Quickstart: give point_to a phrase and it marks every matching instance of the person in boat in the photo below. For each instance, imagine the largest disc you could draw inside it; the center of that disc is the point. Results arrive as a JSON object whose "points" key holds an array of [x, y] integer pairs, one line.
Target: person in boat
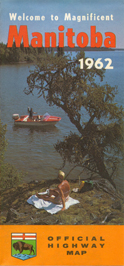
{"points": [[58, 195], [30, 111]]}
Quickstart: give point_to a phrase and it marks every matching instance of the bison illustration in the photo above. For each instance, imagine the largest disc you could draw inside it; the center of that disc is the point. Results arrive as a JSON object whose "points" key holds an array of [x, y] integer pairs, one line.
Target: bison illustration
{"points": [[23, 246]]}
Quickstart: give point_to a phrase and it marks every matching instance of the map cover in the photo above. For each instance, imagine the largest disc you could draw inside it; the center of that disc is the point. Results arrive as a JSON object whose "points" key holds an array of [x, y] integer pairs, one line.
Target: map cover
{"points": [[61, 132]]}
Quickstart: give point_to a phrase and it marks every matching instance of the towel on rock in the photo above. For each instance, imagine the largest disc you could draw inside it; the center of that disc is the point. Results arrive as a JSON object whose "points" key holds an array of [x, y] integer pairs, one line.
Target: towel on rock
{"points": [[49, 206]]}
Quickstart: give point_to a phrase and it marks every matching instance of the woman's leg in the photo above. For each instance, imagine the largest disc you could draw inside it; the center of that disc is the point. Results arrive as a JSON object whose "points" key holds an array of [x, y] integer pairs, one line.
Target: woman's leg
{"points": [[52, 197], [42, 196]]}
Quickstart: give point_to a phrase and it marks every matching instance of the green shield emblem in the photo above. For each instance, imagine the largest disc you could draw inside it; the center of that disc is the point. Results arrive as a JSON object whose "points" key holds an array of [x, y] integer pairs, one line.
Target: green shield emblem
{"points": [[23, 245]]}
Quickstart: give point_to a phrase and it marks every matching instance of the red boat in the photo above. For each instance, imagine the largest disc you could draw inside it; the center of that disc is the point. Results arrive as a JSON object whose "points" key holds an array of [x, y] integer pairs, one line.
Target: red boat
{"points": [[36, 120]]}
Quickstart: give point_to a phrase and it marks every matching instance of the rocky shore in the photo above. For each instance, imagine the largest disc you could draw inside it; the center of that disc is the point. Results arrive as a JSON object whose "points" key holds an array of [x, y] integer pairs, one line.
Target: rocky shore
{"points": [[99, 205]]}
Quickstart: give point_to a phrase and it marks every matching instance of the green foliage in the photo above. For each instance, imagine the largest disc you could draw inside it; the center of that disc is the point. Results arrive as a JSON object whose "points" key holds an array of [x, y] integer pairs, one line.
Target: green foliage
{"points": [[9, 176], [90, 107], [3, 142], [20, 54]]}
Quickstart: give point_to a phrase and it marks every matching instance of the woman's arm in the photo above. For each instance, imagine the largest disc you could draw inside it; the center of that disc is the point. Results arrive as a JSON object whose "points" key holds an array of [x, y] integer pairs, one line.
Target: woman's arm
{"points": [[62, 197]]}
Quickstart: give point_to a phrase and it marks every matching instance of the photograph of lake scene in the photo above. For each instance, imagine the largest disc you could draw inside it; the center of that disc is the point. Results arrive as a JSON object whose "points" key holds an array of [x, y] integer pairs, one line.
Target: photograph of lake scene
{"points": [[31, 150]]}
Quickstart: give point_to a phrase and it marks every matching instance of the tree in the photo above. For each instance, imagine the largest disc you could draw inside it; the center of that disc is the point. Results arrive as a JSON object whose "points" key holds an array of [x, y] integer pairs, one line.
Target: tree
{"points": [[3, 142], [60, 51], [90, 107], [9, 176], [2, 53]]}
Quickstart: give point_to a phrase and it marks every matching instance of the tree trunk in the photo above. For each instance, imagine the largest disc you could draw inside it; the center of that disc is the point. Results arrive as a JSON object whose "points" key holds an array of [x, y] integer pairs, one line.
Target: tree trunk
{"points": [[101, 167]]}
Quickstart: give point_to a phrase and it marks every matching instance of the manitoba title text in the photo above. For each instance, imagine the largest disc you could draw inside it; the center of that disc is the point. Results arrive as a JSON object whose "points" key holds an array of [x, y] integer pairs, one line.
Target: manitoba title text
{"points": [[64, 36]]}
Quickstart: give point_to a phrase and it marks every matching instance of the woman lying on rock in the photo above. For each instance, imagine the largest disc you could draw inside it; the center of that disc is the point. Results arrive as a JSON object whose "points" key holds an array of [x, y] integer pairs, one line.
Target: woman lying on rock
{"points": [[58, 195]]}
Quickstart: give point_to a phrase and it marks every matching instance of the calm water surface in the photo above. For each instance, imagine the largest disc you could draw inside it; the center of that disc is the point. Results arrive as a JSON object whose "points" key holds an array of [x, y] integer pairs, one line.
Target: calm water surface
{"points": [[32, 150]]}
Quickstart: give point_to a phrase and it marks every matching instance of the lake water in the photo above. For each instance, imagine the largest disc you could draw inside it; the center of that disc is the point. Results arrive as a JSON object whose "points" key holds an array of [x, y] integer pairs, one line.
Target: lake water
{"points": [[32, 150]]}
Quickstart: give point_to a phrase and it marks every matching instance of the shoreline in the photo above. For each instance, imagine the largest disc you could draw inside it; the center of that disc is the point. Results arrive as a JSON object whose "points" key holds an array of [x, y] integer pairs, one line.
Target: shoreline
{"points": [[99, 205]]}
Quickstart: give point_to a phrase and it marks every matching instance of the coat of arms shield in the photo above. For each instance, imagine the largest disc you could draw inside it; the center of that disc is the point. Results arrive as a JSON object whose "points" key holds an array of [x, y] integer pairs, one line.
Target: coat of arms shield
{"points": [[23, 245]]}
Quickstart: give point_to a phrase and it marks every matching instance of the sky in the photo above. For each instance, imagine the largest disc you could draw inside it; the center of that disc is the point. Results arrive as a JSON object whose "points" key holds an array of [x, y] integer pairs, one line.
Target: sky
{"points": [[54, 13]]}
